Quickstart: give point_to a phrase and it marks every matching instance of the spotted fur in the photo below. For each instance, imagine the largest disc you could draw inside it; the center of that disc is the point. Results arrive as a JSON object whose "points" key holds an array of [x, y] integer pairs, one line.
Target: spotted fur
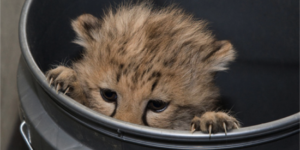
{"points": [[146, 54]]}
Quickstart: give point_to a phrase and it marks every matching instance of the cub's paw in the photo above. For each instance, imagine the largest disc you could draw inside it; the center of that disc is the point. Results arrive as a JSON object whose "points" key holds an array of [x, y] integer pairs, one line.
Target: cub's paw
{"points": [[62, 78], [213, 122]]}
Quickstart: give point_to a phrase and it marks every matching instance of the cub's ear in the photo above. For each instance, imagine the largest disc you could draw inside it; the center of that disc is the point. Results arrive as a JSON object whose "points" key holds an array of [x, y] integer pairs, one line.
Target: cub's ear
{"points": [[87, 29], [219, 57]]}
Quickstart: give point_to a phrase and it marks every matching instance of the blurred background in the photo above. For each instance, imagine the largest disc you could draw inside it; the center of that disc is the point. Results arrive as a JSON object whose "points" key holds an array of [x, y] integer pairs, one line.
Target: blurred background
{"points": [[10, 54]]}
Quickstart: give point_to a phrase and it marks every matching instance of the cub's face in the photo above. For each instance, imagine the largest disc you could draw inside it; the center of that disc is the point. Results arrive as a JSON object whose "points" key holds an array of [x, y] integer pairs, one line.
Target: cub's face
{"points": [[148, 67], [149, 95]]}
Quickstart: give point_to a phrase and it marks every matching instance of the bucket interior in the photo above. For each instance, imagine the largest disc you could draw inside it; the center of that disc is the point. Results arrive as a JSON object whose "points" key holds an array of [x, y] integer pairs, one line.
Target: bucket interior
{"points": [[262, 85]]}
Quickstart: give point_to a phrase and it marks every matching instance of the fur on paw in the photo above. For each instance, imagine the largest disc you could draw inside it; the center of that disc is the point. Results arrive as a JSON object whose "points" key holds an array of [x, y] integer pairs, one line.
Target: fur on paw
{"points": [[62, 78], [213, 122]]}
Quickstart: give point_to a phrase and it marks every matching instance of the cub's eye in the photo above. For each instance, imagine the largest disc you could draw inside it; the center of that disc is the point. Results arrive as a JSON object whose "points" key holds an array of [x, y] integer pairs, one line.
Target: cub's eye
{"points": [[157, 105], [108, 95]]}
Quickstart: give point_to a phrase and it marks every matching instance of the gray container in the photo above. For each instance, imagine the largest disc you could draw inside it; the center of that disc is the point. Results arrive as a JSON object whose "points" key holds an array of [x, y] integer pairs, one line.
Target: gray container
{"points": [[55, 121]]}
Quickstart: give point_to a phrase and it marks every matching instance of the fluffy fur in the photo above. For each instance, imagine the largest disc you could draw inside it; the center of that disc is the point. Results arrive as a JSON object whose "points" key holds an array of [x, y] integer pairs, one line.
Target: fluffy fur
{"points": [[146, 54]]}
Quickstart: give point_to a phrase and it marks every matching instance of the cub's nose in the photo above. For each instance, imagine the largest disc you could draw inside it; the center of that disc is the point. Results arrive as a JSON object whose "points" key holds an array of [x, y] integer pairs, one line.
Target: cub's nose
{"points": [[131, 117]]}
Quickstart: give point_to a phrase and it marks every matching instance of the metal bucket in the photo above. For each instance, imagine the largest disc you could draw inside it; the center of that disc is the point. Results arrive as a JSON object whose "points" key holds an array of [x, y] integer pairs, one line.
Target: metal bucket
{"points": [[261, 84]]}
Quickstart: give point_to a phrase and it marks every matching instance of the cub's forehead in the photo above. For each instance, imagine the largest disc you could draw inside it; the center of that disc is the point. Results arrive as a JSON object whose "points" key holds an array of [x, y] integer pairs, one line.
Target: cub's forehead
{"points": [[144, 72]]}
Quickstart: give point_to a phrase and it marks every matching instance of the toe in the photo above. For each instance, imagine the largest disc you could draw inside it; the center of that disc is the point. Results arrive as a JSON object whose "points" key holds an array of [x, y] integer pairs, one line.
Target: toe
{"points": [[193, 129]]}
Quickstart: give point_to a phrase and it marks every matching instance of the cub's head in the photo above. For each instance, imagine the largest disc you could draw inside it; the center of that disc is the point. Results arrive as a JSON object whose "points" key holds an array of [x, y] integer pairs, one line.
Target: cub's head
{"points": [[149, 67]]}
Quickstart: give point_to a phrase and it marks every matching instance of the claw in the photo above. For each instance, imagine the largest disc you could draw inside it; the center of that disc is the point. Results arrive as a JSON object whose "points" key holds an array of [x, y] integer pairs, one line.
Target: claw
{"points": [[236, 126], [50, 82], [209, 130], [57, 88], [224, 126], [193, 129], [67, 90]]}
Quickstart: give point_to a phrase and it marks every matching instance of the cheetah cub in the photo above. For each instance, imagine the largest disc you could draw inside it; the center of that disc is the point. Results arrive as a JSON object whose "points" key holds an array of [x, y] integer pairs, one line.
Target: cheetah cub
{"points": [[147, 66]]}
